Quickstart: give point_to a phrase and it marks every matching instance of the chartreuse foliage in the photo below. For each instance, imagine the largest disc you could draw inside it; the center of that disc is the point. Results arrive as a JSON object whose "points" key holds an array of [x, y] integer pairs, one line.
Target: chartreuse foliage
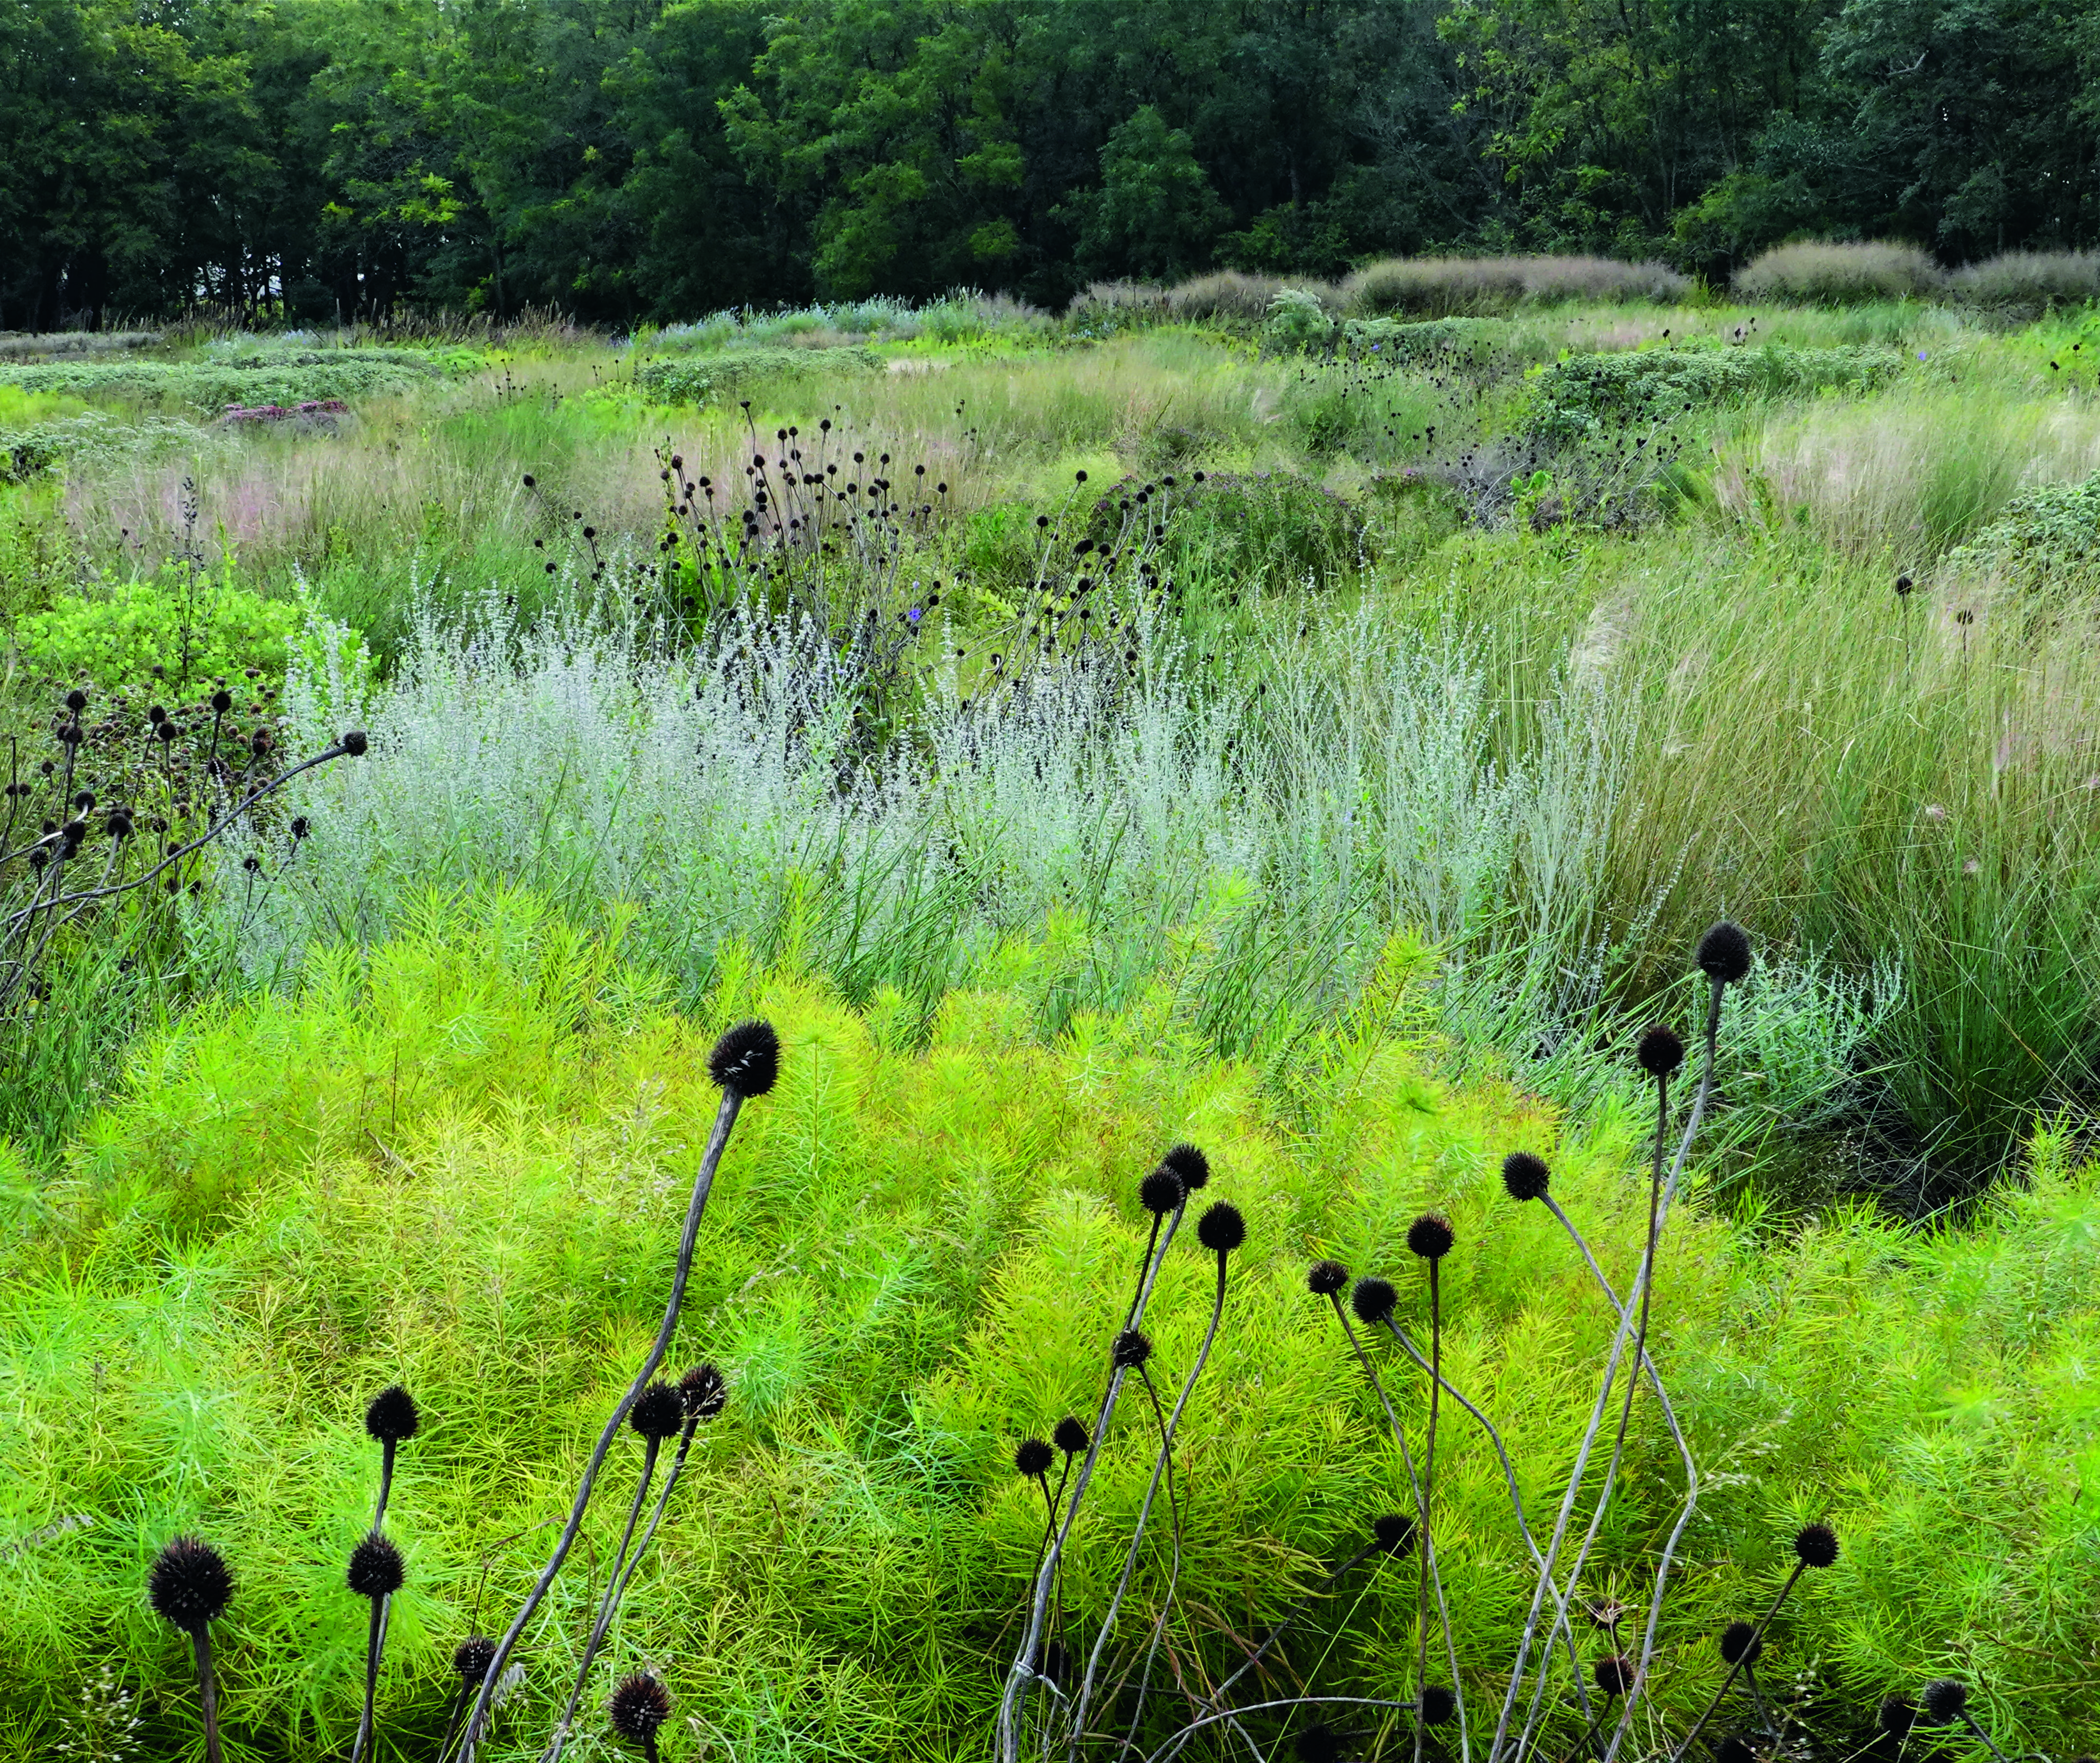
{"points": [[460, 1160]]}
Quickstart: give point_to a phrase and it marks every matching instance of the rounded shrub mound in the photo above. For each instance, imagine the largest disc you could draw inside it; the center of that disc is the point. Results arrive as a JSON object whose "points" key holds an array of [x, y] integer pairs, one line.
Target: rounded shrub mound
{"points": [[1813, 273], [2024, 284], [1449, 287], [1231, 296]]}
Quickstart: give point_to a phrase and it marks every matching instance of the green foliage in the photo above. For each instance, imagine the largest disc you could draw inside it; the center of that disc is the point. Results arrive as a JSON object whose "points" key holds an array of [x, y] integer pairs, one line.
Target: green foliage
{"points": [[723, 378], [1155, 214], [1296, 320], [1573, 397], [116, 638], [2048, 538], [285, 377]]}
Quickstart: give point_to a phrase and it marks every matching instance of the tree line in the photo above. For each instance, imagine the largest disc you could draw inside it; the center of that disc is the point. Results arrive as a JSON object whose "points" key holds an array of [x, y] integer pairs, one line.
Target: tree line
{"points": [[632, 159]]}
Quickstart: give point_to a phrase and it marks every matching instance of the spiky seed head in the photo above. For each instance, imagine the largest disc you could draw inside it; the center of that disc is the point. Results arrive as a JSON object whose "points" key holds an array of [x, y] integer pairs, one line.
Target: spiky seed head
{"points": [[189, 1584], [1222, 1228], [704, 1389], [1724, 952], [1660, 1051], [1162, 1191], [1525, 1176], [1070, 1435], [390, 1416], [1395, 1533], [659, 1412], [747, 1059], [376, 1568], [1188, 1163], [1897, 1716], [76, 700], [1943, 1701], [1430, 1236], [1319, 1743], [1323, 1279], [639, 1706], [472, 1656], [1436, 1705], [1815, 1544], [1373, 1300], [1132, 1347], [1741, 1644], [1735, 1748], [1032, 1456], [1614, 1674], [355, 743]]}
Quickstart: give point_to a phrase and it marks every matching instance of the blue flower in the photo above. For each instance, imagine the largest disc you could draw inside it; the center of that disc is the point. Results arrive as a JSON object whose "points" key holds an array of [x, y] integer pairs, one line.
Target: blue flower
{"points": [[913, 614]]}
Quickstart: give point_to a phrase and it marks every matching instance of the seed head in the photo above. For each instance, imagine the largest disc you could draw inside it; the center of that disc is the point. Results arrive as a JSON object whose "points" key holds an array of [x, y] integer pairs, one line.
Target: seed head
{"points": [[1430, 1236], [659, 1412], [76, 700], [1724, 952], [1898, 1715], [1323, 1279], [1942, 1701], [1132, 1347], [1033, 1457], [376, 1568], [1162, 1191], [391, 1415], [472, 1656], [222, 701], [1741, 1644], [1188, 1163], [704, 1389], [1436, 1705], [1816, 1544], [355, 742], [1221, 1228], [1319, 1743], [747, 1060], [1660, 1051], [1614, 1674], [1734, 1749], [1070, 1435], [1525, 1176], [1373, 1300], [1395, 1533], [639, 1706], [189, 1583]]}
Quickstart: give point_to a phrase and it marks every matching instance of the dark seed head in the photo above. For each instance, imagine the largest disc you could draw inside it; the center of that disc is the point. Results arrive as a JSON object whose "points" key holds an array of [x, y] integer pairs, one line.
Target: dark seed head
{"points": [[1319, 1743], [1394, 1531], [355, 742], [1525, 1176], [1614, 1674], [1323, 1279], [1162, 1191], [659, 1412], [1070, 1435], [1430, 1236], [1816, 1544], [1734, 1749], [1943, 1701], [1188, 1163], [1898, 1715], [222, 701], [1724, 952], [1032, 1456], [1221, 1228], [472, 1656], [1132, 1347], [1437, 1706], [189, 1583], [1740, 1643], [704, 1389], [1373, 1300], [1660, 1051], [391, 1416], [747, 1059], [376, 1568], [639, 1706]]}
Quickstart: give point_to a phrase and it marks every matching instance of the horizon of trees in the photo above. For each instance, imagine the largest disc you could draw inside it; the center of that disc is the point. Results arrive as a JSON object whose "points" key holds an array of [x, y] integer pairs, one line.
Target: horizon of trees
{"points": [[630, 160]]}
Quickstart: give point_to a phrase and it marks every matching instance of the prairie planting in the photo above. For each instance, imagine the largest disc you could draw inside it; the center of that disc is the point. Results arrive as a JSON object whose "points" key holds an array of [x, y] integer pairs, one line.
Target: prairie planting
{"points": [[1293, 737]]}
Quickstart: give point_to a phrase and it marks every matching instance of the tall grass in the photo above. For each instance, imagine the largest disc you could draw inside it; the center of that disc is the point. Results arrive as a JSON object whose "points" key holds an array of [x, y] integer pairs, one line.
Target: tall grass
{"points": [[1441, 287], [1813, 274]]}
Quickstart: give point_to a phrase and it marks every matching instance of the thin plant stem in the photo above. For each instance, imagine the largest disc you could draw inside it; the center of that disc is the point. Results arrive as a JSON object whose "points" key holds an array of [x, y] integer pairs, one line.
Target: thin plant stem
{"points": [[702, 1184], [1729, 1682], [614, 1582], [1278, 1631], [375, 1639], [1969, 1721], [1174, 1745], [386, 1483], [1429, 1489], [207, 1691]]}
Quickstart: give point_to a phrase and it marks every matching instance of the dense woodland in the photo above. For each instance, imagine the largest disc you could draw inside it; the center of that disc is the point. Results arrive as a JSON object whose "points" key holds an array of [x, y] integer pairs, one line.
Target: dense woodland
{"points": [[626, 160]]}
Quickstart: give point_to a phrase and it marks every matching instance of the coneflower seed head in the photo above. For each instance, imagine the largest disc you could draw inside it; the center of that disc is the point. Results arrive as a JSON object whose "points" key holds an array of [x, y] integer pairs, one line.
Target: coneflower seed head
{"points": [[747, 1060], [1162, 1191], [1188, 1163], [1740, 1642], [1070, 1435], [1323, 1279], [1394, 1531], [1660, 1051], [1430, 1236], [1032, 1457], [1724, 952], [1815, 1544], [1319, 1743], [376, 1568], [189, 1583], [1132, 1347], [639, 1706], [659, 1412], [1614, 1674], [1436, 1705], [704, 1389], [1898, 1715], [1525, 1176], [1944, 1700], [1373, 1300], [390, 1417], [472, 1656], [1221, 1228]]}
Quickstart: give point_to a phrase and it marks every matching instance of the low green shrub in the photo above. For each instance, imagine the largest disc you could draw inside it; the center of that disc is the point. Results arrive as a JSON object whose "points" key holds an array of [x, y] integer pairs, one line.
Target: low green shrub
{"points": [[2047, 539], [1294, 319], [720, 378], [246, 376], [116, 639], [1812, 273], [1573, 397], [1446, 287]]}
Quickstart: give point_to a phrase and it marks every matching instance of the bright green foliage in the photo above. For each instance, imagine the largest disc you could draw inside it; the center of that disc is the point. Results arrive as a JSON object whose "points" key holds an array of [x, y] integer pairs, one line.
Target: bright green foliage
{"points": [[722, 378], [117, 639], [2048, 538], [277, 377], [460, 1160], [1572, 397]]}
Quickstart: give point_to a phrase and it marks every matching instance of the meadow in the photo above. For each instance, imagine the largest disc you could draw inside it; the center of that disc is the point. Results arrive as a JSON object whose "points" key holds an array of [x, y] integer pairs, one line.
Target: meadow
{"points": [[1314, 722]]}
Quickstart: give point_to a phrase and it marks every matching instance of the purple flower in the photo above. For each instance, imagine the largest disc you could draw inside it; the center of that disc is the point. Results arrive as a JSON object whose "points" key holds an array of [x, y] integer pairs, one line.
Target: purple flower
{"points": [[1920, 354], [913, 614]]}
